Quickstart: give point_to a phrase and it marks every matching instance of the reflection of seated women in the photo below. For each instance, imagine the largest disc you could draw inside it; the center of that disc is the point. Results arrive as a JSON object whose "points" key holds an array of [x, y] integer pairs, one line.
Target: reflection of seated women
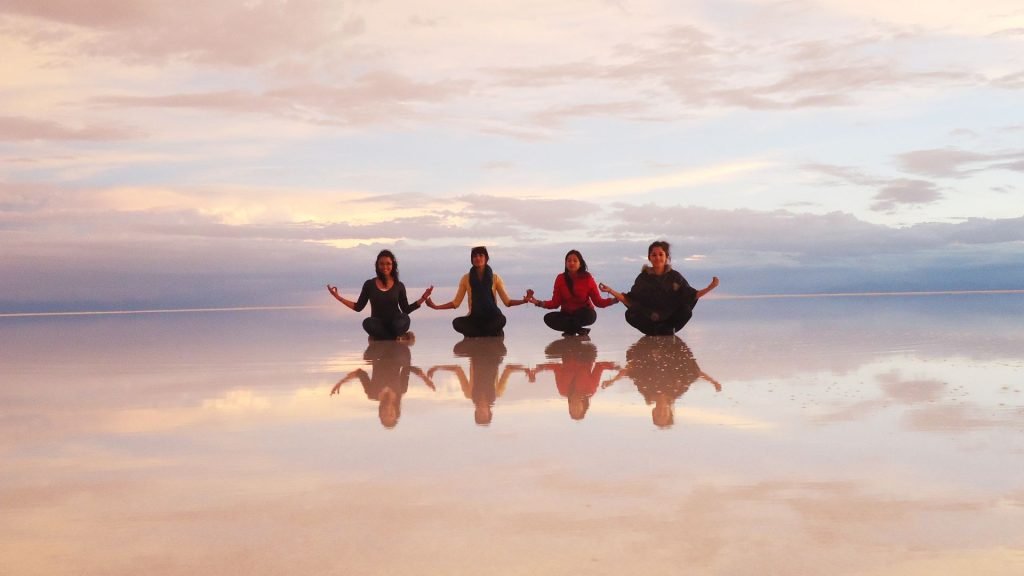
{"points": [[391, 363], [577, 375], [662, 369], [483, 287], [661, 301], [483, 386], [389, 305]]}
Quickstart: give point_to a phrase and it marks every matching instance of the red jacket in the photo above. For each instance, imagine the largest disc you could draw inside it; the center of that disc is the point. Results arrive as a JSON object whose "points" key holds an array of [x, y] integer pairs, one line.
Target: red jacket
{"points": [[584, 294]]}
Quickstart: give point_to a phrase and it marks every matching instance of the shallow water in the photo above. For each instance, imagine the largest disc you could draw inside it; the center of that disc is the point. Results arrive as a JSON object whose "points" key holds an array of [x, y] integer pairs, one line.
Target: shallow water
{"points": [[839, 436]]}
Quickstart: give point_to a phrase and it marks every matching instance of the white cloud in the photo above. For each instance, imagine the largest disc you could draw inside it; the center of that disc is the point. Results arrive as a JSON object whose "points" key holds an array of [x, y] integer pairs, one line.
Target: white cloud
{"points": [[18, 128], [296, 126], [956, 163], [905, 192], [218, 33]]}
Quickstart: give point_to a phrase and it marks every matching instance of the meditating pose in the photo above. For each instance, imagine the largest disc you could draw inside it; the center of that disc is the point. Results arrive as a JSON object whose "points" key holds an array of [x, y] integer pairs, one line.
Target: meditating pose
{"points": [[577, 373], [663, 370], [661, 301], [576, 293], [388, 380], [389, 305], [484, 288], [485, 383]]}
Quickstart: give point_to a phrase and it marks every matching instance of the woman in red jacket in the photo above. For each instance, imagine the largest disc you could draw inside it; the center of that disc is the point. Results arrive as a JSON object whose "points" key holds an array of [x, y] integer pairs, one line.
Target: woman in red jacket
{"points": [[576, 294]]}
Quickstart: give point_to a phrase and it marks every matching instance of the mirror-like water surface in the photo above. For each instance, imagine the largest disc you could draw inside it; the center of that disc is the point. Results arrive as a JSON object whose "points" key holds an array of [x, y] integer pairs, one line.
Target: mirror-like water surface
{"points": [[844, 436]]}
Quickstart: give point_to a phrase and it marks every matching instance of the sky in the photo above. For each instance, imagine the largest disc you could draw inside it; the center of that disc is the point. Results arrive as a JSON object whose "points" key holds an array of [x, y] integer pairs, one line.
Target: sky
{"points": [[230, 153]]}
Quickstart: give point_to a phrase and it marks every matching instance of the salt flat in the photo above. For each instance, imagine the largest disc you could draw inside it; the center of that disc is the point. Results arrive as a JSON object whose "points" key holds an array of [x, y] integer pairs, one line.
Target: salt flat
{"points": [[877, 435]]}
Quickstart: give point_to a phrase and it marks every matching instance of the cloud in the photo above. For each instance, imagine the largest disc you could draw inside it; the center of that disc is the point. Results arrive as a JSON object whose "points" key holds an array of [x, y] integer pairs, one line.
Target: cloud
{"points": [[539, 214], [826, 79], [17, 128], [1009, 33], [108, 14], [947, 417], [905, 192], [911, 391], [333, 217], [548, 74], [1013, 81], [70, 256], [223, 100], [925, 404], [350, 217], [939, 163], [699, 69], [377, 97], [330, 63], [892, 192], [634, 187], [247, 109], [809, 237], [845, 173], [956, 163], [556, 116], [973, 231], [218, 33], [960, 17]]}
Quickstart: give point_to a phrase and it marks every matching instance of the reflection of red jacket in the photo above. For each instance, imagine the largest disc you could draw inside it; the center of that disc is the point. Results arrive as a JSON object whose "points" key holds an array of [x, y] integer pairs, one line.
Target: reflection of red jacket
{"points": [[584, 291], [580, 377]]}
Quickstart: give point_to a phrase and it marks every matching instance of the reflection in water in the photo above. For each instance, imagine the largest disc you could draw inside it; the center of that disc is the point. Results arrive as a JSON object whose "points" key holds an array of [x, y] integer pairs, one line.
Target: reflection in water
{"points": [[662, 367], [483, 386], [577, 375], [391, 364], [122, 455]]}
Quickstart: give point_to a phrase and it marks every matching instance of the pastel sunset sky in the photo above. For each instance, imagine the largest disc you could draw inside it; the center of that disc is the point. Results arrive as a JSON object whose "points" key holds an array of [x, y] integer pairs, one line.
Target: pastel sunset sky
{"points": [[158, 153]]}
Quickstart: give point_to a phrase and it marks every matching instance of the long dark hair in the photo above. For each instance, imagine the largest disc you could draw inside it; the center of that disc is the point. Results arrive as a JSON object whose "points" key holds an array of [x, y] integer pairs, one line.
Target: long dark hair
{"points": [[394, 266], [583, 268]]}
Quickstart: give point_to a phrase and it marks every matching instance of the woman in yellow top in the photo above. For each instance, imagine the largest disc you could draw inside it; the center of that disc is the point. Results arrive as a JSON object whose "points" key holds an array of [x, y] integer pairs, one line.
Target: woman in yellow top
{"points": [[483, 287]]}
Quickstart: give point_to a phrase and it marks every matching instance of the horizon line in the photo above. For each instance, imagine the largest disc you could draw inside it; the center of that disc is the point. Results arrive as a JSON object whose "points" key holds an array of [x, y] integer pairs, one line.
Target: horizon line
{"points": [[315, 307], [863, 294], [158, 311]]}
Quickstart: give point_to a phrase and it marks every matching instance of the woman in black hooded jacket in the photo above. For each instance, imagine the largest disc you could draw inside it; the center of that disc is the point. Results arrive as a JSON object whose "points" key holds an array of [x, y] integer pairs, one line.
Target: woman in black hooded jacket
{"points": [[661, 301]]}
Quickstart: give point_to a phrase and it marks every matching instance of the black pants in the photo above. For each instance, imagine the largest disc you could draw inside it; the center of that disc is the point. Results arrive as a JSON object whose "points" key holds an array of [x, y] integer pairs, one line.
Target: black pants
{"points": [[471, 326], [642, 321], [380, 329], [570, 322]]}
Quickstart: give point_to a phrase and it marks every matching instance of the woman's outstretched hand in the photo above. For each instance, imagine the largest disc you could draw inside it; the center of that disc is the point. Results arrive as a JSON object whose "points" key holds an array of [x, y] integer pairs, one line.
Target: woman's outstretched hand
{"points": [[426, 295], [714, 284], [334, 292]]}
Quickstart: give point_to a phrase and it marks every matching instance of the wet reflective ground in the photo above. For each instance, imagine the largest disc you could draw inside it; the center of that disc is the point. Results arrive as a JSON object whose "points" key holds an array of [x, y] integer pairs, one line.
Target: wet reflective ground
{"points": [[816, 436]]}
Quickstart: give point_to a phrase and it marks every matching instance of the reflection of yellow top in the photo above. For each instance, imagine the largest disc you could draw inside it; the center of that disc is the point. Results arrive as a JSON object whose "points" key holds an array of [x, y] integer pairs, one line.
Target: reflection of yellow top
{"points": [[498, 288], [468, 383]]}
